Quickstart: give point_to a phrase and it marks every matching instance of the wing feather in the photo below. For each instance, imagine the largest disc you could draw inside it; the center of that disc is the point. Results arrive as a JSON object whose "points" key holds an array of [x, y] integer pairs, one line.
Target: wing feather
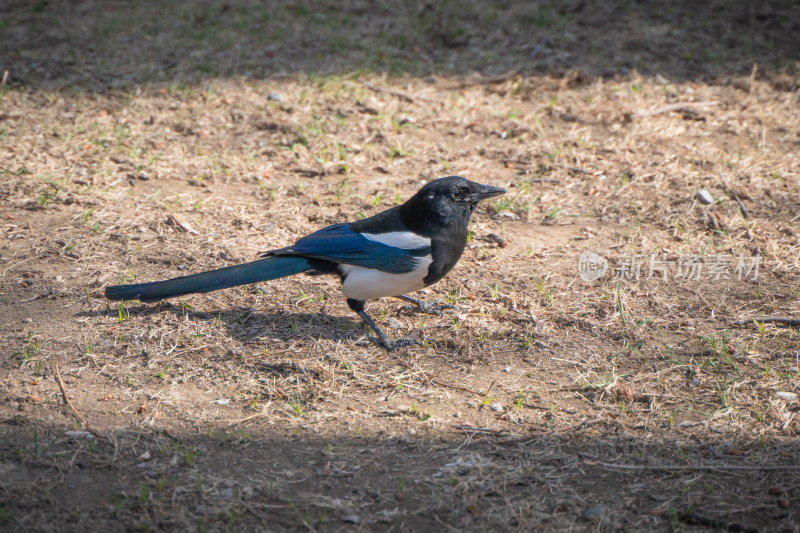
{"points": [[339, 244]]}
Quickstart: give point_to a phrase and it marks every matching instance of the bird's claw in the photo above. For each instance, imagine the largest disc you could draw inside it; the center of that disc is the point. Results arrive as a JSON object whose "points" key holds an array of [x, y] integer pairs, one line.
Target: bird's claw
{"points": [[434, 307], [391, 345], [429, 308], [399, 343]]}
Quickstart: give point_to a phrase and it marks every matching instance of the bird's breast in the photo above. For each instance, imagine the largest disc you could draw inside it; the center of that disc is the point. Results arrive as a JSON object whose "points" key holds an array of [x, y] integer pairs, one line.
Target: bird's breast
{"points": [[368, 284]]}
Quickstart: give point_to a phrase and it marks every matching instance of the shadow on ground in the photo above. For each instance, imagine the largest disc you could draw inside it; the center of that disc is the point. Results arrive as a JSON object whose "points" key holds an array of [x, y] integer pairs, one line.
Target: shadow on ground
{"points": [[99, 45], [233, 479]]}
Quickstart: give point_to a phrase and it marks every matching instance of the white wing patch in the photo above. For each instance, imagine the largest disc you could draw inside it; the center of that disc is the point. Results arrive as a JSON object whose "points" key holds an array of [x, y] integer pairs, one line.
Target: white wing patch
{"points": [[368, 284], [407, 240]]}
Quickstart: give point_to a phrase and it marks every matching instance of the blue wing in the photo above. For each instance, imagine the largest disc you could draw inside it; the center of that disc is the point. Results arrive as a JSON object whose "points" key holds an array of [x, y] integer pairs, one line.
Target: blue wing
{"points": [[339, 244]]}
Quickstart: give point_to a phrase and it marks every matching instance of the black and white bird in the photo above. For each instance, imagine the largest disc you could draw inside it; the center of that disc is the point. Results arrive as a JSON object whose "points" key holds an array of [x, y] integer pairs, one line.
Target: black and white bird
{"points": [[398, 251]]}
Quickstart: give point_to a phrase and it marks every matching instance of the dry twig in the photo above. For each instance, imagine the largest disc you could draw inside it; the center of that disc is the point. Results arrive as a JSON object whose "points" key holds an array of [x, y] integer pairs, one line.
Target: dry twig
{"points": [[472, 429], [672, 107], [735, 196], [403, 96], [75, 412]]}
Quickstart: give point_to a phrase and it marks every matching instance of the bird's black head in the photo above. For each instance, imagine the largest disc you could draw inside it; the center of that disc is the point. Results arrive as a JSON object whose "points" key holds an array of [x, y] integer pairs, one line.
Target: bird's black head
{"points": [[448, 200]]}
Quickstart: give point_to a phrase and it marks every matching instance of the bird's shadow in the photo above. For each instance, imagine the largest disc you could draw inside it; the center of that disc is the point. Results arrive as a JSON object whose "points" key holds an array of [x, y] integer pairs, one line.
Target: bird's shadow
{"points": [[246, 324]]}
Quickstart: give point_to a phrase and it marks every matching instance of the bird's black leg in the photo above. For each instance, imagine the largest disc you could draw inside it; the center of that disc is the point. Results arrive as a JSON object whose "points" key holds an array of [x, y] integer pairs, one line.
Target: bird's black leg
{"points": [[431, 308], [386, 342]]}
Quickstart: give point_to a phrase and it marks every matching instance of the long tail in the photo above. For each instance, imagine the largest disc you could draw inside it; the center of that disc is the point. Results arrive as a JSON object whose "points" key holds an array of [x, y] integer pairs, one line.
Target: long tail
{"points": [[261, 270]]}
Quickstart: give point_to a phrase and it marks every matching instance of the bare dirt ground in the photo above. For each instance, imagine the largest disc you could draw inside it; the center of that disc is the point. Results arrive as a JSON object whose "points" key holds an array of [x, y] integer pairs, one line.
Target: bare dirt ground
{"points": [[145, 140]]}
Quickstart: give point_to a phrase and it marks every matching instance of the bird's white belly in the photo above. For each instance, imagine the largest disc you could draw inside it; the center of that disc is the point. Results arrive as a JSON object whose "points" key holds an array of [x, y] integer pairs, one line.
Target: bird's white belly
{"points": [[367, 284]]}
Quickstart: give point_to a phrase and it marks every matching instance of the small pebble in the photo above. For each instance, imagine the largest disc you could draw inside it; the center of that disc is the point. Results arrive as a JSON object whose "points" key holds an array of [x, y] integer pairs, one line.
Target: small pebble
{"points": [[704, 197], [352, 518], [502, 242], [788, 396], [275, 96], [497, 407], [27, 320], [145, 456], [507, 369], [226, 494], [394, 323], [78, 434], [593, 514]]}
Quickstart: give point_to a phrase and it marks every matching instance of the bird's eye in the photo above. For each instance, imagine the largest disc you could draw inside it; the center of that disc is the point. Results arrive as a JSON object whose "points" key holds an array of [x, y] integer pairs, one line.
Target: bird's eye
{"points": [[461, 194]]}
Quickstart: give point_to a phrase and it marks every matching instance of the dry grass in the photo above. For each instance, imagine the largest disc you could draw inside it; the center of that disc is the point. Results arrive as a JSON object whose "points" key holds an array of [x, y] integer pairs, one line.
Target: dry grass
{"points": [[198, 138]]}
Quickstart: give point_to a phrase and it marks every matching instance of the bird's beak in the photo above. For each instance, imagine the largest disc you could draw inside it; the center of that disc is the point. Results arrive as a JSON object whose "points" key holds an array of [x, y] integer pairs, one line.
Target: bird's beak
{"points": [[482, 192]]}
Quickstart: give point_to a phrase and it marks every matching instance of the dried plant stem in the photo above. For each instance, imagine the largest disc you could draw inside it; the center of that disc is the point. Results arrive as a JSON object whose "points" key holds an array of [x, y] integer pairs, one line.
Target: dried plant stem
{"points": [[735, 196], [672, 107], [75, 412]]}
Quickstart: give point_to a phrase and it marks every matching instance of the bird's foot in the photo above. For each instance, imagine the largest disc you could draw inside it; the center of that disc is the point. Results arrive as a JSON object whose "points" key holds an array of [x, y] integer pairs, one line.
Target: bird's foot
{"points": [[429, 308], [391, 345]]}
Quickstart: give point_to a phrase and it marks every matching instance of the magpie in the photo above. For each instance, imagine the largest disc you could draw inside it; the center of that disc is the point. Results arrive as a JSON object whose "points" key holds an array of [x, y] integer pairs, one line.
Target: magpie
{"points": [[397, 251]]}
